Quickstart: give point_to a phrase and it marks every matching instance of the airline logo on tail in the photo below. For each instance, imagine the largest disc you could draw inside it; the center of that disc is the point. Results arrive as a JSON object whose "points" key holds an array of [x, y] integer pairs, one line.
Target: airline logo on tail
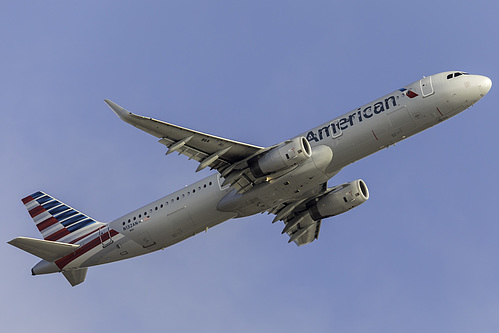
{"points": [[68, 235], [57, 221]]}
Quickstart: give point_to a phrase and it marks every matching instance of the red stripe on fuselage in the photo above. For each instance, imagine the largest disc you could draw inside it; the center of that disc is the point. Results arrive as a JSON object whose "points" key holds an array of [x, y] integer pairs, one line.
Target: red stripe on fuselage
{"points": [[63, 262]]}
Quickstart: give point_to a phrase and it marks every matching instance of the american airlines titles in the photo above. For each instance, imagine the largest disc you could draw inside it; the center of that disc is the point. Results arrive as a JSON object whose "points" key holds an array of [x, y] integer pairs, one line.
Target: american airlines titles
{"points": [[336, 127]]}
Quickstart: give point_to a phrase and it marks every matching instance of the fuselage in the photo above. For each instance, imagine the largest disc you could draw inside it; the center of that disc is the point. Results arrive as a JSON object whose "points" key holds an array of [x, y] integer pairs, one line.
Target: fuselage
{"points": [[350, 137]]}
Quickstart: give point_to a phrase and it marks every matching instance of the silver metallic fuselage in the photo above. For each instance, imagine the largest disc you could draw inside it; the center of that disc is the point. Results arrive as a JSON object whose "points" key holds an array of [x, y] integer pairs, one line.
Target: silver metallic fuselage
{"points": [[350, 137]]}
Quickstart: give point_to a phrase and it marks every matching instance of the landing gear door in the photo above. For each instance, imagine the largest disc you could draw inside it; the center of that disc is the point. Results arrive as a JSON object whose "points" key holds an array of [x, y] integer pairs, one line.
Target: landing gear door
{"points": [[426, 86]]}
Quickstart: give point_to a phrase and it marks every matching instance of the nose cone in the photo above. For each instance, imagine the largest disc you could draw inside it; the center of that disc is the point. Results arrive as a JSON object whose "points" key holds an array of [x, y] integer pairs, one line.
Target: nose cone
{"points": [[484, 84]]}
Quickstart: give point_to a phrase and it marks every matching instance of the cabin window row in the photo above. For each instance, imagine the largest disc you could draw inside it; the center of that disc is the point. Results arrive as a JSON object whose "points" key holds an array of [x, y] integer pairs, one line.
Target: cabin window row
{"points": [[170, 201]]}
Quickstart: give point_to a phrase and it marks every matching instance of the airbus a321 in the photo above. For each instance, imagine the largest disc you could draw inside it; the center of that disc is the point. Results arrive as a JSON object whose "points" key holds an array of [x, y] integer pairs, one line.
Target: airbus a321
{"points": [[288, 180]]}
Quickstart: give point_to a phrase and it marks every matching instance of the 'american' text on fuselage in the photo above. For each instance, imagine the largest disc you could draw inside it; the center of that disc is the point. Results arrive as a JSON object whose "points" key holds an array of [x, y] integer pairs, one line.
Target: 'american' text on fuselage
{"points": [[339, 125]]}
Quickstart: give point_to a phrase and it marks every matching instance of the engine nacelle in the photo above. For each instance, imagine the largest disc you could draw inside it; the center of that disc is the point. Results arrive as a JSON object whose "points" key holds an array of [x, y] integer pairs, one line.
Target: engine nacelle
{"points": [[346, 197], [282, 157]]}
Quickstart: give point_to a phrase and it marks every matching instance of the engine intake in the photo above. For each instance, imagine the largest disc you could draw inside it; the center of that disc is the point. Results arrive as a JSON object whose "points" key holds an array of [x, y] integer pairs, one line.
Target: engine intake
{"points": [[346, 197], [287, 155]]}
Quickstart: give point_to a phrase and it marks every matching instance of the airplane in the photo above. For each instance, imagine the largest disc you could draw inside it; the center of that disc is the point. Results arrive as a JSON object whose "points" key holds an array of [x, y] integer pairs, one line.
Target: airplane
{"points": [[288, 180]]}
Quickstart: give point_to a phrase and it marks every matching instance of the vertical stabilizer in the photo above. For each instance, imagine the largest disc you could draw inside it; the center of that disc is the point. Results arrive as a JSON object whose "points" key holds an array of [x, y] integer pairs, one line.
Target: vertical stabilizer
{"points": [[57, 221], [67, 233]]}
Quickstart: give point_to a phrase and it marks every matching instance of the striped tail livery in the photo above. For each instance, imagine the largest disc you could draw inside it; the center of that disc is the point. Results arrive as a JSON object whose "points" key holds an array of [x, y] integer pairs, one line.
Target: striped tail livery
{"points": [[67, 235]]}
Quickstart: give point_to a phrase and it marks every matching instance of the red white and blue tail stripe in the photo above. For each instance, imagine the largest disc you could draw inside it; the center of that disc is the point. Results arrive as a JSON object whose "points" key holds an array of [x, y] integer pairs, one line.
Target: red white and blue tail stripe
{"points": [[57, 221]]}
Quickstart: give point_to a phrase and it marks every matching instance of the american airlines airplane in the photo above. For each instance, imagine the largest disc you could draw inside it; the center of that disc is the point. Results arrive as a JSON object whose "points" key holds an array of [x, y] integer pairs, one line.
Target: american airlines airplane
{"points": [[288, 179]]}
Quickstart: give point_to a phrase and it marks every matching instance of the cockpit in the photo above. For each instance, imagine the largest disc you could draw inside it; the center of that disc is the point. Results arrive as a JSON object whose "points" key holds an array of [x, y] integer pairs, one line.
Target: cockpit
{"points": [[456, 74]]}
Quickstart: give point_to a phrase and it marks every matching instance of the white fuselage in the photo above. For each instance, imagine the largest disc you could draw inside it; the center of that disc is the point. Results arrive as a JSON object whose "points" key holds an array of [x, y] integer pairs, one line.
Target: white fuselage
{"points": [[352, 136]]}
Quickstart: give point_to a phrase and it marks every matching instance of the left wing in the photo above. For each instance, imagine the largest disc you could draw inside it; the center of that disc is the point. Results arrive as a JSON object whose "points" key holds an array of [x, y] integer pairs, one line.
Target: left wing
{"points": [[306, 231], [210, 151], [298, 223]]}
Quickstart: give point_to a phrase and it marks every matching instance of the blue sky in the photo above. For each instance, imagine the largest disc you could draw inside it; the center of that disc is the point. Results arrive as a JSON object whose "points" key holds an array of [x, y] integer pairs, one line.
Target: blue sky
{"points": [[420, 255]]}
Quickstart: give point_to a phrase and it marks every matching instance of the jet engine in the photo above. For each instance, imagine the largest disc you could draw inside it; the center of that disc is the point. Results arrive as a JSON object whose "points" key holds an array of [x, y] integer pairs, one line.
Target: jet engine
{"points": [[341, 200], [289, 154]]}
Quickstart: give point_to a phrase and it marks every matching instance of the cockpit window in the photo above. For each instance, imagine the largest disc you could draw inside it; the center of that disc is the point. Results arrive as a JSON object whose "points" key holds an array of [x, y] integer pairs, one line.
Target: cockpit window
{"points": [[450, 76]]}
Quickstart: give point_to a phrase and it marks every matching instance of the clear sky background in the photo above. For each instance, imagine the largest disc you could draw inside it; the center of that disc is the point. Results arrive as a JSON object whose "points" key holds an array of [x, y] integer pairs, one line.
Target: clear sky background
{"points": [[419, 256]]}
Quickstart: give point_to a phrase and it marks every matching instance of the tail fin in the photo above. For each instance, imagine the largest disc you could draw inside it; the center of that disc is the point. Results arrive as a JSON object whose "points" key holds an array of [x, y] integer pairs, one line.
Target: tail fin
{"points": [[61, 227], [57, 221]]}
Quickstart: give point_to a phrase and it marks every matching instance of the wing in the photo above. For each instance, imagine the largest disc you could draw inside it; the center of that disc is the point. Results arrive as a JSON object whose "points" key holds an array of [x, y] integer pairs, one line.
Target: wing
{"points": [[298, 224], [210, 151], [306, 231]]}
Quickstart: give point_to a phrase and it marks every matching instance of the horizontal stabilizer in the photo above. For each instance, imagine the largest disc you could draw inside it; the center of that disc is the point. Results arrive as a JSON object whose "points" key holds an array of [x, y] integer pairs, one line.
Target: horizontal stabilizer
{"points": [[76, 276], [47, 250]]}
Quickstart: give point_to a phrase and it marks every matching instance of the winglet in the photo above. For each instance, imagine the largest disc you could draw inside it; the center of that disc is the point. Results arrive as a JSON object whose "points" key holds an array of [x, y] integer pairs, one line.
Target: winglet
{"points": [[120, 111]]}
